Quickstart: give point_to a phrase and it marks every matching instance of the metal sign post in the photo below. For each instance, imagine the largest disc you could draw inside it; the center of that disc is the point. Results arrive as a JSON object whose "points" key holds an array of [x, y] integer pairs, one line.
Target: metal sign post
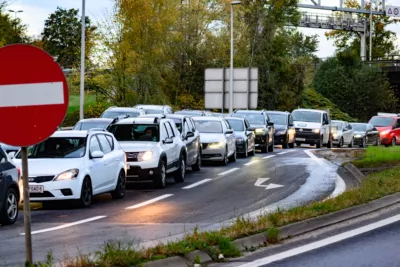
{"points": [[27, 208]]}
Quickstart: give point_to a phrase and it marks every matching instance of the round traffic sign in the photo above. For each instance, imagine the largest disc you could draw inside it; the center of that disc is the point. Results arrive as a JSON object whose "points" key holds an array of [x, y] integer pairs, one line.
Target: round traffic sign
{"points": [[33, 95], [396, 11]]}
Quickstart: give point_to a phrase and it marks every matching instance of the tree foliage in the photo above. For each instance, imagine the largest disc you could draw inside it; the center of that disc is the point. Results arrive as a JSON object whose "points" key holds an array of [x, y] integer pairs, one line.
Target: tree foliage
{"points": [[356, 88], [61, 36], [11, 29], [383, 40]]}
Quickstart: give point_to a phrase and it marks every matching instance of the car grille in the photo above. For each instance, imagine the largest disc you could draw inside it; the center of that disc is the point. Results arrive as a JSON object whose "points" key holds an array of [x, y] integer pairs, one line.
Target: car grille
{"points": [[44, 194], [303, 130], [41, 179], [204, 145], [132, 156]]}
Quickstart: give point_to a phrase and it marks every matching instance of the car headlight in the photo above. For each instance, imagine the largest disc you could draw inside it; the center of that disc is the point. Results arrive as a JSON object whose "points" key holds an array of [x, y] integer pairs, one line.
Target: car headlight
{"points": [[260, 130], [67, 175], [283, 132], [335, 135], [385, 132], [216, 145], [315, 130], [239, 140], [144, 156]]}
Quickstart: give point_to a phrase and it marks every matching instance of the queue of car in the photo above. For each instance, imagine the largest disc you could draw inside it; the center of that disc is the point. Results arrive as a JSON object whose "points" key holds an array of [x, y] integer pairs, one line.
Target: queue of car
{"points": [[149, 142]]}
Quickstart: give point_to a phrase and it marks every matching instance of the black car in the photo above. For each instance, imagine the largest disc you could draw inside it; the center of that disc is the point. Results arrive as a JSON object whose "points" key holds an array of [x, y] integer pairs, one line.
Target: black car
{"points": [[87, 124], [285, 133], [261, 124], [365, 134], [191, 137], [9, 190]]}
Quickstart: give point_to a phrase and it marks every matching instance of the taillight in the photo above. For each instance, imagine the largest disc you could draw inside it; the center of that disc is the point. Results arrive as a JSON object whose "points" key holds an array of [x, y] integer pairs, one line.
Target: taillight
{"points": [[19, 172]]}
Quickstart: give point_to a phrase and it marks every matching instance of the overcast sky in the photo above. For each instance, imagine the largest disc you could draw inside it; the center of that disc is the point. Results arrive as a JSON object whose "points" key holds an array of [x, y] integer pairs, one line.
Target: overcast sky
{"points": [[36, 12]]}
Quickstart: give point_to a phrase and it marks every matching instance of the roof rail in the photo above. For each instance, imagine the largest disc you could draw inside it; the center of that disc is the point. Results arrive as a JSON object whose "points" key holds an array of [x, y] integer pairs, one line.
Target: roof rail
{"points": [[389, 114], [120, 117], [97, 129]]}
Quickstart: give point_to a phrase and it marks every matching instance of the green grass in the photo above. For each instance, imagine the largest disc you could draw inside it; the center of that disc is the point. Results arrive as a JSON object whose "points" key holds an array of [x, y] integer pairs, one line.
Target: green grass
{"points": [[115, 253], [379, 157], [90, 99]]}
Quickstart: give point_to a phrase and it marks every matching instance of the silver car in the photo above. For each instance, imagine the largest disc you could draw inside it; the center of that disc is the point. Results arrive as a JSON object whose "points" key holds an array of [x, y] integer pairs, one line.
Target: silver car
{"points": [[217, 139], [342, 133], [245, 138]]}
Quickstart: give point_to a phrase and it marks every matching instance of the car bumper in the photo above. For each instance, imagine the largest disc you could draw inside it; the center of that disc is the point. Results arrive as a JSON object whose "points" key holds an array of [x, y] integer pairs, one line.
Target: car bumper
{"points": [[260, 140], [142, 171], [358, 141], [216, 154], [57, 190], [307, 138], [280, 139], [386, 140]]}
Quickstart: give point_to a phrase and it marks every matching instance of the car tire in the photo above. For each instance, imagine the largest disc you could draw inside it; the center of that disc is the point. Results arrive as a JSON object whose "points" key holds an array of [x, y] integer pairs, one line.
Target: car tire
{"points": [[233, 157], [180, 173], [160, 181], [225, 161], [253, 151], [271, 147], [291, 145], [329, 144], [86, 193], [341, 142], [10, 203], [364, 142], [351, 143], [319, 144], [298, 144], [285, 146], [197, 166], [264, 148], [120, 188], [246, 151]]}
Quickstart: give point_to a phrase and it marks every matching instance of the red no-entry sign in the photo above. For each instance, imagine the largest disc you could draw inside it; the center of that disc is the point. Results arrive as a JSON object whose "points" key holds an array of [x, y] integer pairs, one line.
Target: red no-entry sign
{"points": [[33, 95]]}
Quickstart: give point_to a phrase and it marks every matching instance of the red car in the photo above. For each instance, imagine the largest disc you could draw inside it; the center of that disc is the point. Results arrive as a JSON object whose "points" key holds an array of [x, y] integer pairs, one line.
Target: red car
{"points": [[388, 125]]}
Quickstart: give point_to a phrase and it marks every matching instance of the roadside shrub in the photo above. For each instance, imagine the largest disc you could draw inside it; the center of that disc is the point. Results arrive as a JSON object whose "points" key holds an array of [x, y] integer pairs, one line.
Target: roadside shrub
{"points": [[92, 111]]}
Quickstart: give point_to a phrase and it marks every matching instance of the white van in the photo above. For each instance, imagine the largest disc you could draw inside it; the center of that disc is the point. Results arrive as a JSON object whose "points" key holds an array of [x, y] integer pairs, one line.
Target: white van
{"points": [[312, 127]]}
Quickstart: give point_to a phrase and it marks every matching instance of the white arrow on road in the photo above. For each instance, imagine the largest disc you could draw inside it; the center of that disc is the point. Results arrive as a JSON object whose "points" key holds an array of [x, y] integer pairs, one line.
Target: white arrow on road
{"points": [[260, 182]]}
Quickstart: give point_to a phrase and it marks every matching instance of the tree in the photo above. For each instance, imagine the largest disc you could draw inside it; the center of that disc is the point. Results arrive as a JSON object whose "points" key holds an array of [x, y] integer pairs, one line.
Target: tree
{"points": [[356, 88], [383, 40], [61, 37], [11, 30]]}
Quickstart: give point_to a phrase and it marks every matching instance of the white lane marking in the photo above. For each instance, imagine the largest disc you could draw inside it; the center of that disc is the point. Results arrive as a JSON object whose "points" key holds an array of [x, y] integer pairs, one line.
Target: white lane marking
{"points": [[228, 171], [315, 158], [281, 153], [196, 184], [322, 243], [268, 157], [260, 182], [251, 162], [32, 94], [150, 201], [340, 187], [66, 225], [273, 186]]}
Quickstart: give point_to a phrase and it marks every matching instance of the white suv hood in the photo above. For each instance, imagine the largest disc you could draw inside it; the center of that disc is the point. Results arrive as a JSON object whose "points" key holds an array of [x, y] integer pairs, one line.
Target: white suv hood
{"points": [[138, 146], [212, 137], [50, 166], [307, 125]]}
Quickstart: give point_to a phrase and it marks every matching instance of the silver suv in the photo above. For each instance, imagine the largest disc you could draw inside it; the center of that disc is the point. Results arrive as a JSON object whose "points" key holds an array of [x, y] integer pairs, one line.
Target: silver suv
{"points": [[9, 190]]}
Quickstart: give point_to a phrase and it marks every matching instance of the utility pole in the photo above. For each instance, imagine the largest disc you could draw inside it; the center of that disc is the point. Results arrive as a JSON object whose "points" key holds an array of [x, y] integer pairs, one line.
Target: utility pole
{"points": [[15, 15], [231, 65], [82, 89]]}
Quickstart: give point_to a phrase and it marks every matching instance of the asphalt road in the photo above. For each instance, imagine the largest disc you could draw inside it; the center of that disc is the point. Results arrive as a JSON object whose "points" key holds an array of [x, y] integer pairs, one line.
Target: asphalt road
{"points": [[207, 199]]}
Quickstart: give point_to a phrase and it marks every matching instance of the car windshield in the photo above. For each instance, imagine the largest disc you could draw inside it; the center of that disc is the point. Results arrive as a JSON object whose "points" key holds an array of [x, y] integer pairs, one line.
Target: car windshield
{"points": [[359, 127], [91, 124], [190, 113], [154, 111], [136, 132], [178, 123], [204, 126], [253, 118], [337, 125], [58, 147], [237, 125], [114, 114], [278, 119], [307, 116], [381, 121]]}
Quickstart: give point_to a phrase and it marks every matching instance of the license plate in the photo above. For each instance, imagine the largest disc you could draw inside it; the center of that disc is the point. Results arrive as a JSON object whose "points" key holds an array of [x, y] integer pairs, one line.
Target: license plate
{"points": [[36, 189], [300, 139]]}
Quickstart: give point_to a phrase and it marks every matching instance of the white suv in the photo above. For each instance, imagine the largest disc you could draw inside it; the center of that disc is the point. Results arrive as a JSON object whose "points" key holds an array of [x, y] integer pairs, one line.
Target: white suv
{"points": [[153, 149], [75, 165]]}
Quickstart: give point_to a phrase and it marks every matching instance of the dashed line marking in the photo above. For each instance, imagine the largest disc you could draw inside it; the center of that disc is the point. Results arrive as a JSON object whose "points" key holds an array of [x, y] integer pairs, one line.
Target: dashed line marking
{"points": [[228, 171], [148, 202], [196, 184]]}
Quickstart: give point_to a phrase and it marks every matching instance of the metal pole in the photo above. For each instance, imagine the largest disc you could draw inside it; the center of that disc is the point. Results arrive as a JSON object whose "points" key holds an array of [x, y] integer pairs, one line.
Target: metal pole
{"points": [[27, 208], [82, 89], [231, 67], [370, 33]]}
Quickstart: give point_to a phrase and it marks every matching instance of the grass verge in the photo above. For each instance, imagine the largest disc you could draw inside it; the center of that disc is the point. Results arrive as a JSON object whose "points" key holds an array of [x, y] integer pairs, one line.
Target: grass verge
{"points": [[379, 157], [218, 242], [90, 99]]}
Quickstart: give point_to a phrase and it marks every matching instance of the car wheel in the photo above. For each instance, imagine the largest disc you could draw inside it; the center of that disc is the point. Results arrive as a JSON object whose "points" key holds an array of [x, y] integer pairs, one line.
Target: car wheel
{"points": [[86, 194], [264, 148], [393, 141], [225, 160], [180, 173], [319, 144], [364, 144], [298, 144], [161, 180], [232, 158], [285, 145], [329, 144], [246, 151], [119, 191], [340, 142], [197, 166], [253, 151], [9, 214], [351, 143], [291, 145]]}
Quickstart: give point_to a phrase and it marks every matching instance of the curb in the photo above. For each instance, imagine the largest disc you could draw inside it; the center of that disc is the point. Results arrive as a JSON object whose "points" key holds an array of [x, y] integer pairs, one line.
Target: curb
{"points": [[355, 172]]}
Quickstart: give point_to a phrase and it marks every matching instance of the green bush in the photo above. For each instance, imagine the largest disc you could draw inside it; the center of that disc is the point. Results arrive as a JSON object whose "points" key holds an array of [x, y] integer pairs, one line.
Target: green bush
{"points": [[92, 111]]}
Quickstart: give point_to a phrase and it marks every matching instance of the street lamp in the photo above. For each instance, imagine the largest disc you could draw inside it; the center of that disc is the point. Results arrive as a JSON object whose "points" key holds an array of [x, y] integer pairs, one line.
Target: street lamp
{"points": [[231, 65], [15, 12], [82, 89]]}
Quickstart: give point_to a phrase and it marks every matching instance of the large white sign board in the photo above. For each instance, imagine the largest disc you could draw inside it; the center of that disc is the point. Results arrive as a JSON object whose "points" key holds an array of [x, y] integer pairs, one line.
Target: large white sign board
{"points": [[245, 88]]}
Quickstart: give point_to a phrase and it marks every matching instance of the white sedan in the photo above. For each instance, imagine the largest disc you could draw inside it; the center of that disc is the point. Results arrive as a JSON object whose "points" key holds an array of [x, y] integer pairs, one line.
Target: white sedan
{"points": [[75, 165], [217, 139], [342, 133]]}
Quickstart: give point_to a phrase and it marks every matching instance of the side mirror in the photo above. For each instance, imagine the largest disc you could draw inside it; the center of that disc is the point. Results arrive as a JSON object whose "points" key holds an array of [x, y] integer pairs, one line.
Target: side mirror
{"points": [[189, 134], [270, 123], [11, 154], [229, 132], [291, 124], [168, 141], [97, 154]]}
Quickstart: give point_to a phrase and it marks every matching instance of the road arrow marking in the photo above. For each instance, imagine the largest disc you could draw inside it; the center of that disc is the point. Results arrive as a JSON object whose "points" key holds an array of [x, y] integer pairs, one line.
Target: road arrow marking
{"points": [[272, 186], [260, 182]]}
